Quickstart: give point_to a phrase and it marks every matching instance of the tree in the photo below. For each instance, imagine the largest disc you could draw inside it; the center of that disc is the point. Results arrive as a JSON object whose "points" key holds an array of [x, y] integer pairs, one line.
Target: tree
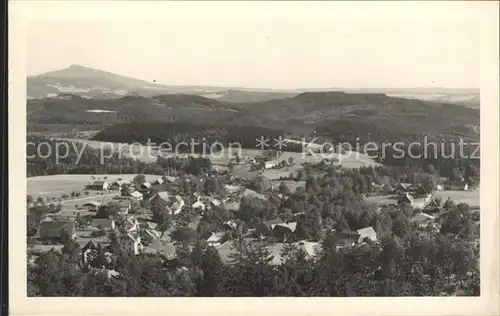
{"points": [[29, 199], [213, 273], [253, 270], [283, 189], [139, 179], [125, 190], [183, 235], [312, 184], [230, 166], [40, 200], [429, 184], [165, 222], [290, 161], [107, 211]]}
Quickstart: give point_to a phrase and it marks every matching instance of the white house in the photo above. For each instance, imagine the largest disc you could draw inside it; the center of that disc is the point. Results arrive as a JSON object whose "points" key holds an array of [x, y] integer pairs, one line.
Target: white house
{"points": [[136, 195], [176, 207], [98, 185], [367, 232], [131, 244], [145, 186], [270, 164], [131, 224], [124, 206], [423, 220], [158, 181], [198, 205], [216, 239]]}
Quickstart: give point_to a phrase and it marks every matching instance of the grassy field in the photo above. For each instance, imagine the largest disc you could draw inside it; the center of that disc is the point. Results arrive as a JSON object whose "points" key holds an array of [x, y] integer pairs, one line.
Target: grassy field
{"points": [[469, 197], [57, 185]]}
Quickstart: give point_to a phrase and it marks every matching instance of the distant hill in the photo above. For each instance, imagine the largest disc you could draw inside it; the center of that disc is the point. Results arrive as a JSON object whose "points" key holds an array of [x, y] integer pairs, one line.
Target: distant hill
{"points": [[93, 83], [333, 114]]}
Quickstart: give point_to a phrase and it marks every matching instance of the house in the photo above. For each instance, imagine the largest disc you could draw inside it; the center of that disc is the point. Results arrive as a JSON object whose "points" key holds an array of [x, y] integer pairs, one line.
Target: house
{"points": [[177, 206], [271, 153], [456, 186], [145, 186], [170, 179], [52, 229], [104, 223], [283, 231], [89, 252], [271, 164], [423, 220], [230, 225], [99, 185], [152, 233], [367, 233], [403, 188], [266, 227], [118, 184], [406, 199], [345, 239], [131, 224], [91, 206], [198, 205], [215, 202], [124, 206], [136, 195], [174, 204], [232, 205], [148, 225], [216, 239], [131, 244], [158, 181], [163, 195]]}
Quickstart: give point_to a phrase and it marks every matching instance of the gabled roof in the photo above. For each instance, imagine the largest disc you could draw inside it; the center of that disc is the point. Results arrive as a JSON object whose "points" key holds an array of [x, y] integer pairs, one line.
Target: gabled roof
{"points": [[231, 224], [120, 182], [292, 226], [422, 217], [405, 186], [198, 204], [215, 202], [158, 181], [136, 194], [132, 237], [92, 203], [132, 220], [215, 237], [146, 185], [170, 179], [367, 232], [271, 222], [163, 195]]}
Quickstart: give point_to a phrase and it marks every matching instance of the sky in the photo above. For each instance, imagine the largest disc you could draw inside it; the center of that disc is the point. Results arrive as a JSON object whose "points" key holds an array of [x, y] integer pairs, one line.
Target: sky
{"points": [[277, 54]]}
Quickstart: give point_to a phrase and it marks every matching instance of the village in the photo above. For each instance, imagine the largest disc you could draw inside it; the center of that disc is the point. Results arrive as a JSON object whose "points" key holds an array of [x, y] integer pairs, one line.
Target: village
{"points": [[132, 210]]}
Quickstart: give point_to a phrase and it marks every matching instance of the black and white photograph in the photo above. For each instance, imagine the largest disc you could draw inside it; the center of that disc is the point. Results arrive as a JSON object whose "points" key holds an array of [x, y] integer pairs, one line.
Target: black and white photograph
{"points": [[271, 156]]}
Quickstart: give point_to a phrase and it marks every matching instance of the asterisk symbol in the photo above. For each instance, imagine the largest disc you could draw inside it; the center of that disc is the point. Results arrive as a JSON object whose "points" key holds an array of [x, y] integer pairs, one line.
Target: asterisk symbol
{"points": [[280, 142], [262, 142]]}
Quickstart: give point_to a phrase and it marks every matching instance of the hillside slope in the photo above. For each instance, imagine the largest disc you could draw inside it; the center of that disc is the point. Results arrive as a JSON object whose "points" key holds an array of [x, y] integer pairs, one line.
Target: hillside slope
{"points": [[329, 113]]}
